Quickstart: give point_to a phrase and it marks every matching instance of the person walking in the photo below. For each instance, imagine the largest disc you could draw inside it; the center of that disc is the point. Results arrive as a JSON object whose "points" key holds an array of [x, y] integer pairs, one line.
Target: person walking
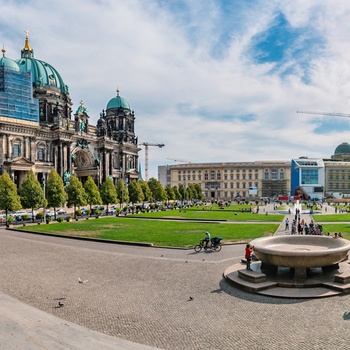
{"points": [[287, 225], [248, 255]]}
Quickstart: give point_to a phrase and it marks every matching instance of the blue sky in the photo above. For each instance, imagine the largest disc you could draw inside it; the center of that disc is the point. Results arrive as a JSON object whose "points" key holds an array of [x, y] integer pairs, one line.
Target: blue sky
{"points": [[214, 80]]}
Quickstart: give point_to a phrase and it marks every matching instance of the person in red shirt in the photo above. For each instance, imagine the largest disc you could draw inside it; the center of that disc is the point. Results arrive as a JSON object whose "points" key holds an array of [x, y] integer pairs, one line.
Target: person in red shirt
{"points": [[248, 255]]}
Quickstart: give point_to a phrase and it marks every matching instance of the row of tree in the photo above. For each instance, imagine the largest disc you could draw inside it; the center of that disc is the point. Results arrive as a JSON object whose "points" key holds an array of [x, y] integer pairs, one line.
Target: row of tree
{"points": [[31, 194]]}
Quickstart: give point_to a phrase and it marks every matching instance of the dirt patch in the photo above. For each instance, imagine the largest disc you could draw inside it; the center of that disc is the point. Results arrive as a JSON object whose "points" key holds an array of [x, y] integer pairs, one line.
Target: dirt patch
{"points": [[81, 233]]}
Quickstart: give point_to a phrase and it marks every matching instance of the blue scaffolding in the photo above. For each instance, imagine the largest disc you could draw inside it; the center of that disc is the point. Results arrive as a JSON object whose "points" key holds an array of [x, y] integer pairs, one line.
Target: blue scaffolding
{"points": [[16, 96]]}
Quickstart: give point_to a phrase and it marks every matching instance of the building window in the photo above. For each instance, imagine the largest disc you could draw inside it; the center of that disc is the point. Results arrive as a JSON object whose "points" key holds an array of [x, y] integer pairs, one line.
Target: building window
{"points": [[256, 176], [212, 175], [281, 175], [225, 177], [199, 177], [16, 150], [219, 176], [237, 176], [225, 185], [238, 185], [194, 177], [266, 175], [206, 177], [274, 174], [41, 154]]}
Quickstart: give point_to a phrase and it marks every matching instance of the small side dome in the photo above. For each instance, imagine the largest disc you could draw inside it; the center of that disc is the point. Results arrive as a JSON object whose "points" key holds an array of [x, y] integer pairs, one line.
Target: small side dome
{"points": [[7, 62], [343, 148], [118, 102]]}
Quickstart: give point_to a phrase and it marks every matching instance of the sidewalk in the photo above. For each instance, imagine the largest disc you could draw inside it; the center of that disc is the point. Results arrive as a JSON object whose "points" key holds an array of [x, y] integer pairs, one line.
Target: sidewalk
{"points": [[25, 327]]}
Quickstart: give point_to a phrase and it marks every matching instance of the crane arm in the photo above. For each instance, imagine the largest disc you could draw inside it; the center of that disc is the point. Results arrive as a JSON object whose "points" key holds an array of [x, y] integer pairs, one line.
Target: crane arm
{"points": [[325, 113]]}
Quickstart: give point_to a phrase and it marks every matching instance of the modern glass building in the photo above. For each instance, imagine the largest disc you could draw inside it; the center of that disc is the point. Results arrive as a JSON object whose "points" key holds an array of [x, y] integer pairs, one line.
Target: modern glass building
{"points": [[308, 177]]}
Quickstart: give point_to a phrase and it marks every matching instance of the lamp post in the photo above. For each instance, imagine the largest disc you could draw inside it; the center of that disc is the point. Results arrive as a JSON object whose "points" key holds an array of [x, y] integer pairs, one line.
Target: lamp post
{"points": [[44, 190], [122, 178]]}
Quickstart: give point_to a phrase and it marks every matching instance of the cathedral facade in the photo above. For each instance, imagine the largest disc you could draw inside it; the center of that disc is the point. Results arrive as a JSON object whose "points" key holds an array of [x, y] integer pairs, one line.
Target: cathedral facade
{"points": [[39, 130]]}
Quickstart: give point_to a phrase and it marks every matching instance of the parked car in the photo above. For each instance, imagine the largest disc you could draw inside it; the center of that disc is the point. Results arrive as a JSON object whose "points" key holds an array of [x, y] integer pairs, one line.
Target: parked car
{"points": [[98, 207], [110, 211], [61, 212]]}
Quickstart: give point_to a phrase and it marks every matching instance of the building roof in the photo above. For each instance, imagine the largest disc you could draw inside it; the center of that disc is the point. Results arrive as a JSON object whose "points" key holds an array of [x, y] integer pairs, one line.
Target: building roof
{"points": [[118, 102], [343, 148], [43, 74], [7, 62]]}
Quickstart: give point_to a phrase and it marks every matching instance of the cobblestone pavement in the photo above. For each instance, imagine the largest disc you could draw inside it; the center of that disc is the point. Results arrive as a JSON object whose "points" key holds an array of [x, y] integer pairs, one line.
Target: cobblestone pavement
{"points": [[143, 295]]}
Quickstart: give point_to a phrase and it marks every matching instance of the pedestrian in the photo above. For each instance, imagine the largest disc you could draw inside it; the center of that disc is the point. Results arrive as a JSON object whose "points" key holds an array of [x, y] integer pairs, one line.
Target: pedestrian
{"points": [[248, 255], [287, 224]]}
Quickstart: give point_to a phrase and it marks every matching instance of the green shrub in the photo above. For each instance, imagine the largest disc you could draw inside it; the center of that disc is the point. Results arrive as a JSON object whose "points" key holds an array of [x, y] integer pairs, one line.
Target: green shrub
{"points": [[78, 212], [9, 218], [68, 218], [39, 216], [88, 212], [25, 217], [60, 219], [98, 212]]}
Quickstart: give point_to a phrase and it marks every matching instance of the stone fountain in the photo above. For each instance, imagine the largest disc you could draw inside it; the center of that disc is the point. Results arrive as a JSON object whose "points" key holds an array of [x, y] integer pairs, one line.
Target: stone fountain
{"points": [[300, 252]]}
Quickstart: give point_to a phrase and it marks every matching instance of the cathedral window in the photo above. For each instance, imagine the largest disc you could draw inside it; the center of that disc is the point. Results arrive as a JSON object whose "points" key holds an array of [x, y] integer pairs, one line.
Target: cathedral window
{"points": [[16, 150], [41, 154]]}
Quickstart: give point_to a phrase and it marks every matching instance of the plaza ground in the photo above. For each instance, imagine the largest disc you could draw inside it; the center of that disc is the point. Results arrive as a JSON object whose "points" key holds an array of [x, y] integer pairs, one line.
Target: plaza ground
{"points": [[142, 295]]}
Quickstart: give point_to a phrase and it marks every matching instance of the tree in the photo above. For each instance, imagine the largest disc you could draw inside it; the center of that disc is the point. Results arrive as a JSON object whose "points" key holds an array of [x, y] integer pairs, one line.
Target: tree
{"points": [[182, 192], [31, 193], [92, 193], [108, 193], [147, 194], [56, 195], [122, 192], [170, 192], [198, 190], [158, 192], [9, 199], [135, 192], [176, 193], [76, 195]]}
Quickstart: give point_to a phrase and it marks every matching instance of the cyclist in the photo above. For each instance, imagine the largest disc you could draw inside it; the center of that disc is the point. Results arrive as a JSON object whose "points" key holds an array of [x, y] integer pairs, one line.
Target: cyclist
{"points": [[206, 239]]}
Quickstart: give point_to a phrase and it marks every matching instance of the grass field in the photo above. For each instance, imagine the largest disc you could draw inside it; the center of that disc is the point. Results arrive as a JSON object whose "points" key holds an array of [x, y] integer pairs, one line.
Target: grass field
{"points": [[224, 214], [332, 217], [158, 232]]}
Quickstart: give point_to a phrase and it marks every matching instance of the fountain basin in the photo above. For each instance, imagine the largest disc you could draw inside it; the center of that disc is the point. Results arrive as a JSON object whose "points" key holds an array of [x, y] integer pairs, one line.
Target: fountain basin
{"points": [[300, 251]]}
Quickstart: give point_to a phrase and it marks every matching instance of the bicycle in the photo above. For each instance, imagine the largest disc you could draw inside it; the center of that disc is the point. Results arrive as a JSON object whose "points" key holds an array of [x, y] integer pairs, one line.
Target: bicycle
{"points": [[214, 244]]}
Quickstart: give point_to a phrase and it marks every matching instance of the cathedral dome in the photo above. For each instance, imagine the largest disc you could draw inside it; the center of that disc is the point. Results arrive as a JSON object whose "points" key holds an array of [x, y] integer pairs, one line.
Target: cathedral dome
{"points": [[43, 74], [8, 63], [343, 148], [118, 102]]}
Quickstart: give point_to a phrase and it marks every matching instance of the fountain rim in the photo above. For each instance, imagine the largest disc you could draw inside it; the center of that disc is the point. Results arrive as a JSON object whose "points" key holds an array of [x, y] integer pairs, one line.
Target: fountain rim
{"points": [[338, 245]]}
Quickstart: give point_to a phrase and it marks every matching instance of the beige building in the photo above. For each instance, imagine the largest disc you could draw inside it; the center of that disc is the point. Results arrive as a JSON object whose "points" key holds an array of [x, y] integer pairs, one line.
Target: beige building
{"points": [[226, 181]]}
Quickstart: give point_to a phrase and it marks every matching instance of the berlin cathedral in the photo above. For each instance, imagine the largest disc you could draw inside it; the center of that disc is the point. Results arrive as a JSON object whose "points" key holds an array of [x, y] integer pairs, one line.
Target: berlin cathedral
{"points": [[39, 130]]}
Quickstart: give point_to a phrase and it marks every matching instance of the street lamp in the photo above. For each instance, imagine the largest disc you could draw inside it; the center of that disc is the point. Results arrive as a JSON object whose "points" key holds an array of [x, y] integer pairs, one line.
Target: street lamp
{"points": [[122, 178]]}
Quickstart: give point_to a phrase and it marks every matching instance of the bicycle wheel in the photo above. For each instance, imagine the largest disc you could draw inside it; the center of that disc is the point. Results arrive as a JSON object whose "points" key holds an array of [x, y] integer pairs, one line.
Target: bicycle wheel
{"points": [[218, 248], [197, 248]]}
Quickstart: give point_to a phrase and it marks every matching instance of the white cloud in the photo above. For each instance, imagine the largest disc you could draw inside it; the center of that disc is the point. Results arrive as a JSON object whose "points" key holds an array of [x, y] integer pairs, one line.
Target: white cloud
{"points": [[182, 94]]}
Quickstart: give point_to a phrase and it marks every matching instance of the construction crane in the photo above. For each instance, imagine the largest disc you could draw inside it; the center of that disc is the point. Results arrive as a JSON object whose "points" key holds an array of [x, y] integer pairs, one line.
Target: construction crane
{"points": [[181, 161], [326, 113], [147, 144]]}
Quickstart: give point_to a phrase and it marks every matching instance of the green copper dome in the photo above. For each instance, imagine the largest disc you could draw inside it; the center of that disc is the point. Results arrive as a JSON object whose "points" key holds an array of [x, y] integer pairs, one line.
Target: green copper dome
{"points": [[118, 102], [8, 63], [43, 74], [343, 148]]}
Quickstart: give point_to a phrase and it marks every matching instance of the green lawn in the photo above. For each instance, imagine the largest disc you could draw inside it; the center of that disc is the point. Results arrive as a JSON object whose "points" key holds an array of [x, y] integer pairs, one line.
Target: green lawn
{"points": [[332, 217], [158, 232], [331, 228], [223, 214]]}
